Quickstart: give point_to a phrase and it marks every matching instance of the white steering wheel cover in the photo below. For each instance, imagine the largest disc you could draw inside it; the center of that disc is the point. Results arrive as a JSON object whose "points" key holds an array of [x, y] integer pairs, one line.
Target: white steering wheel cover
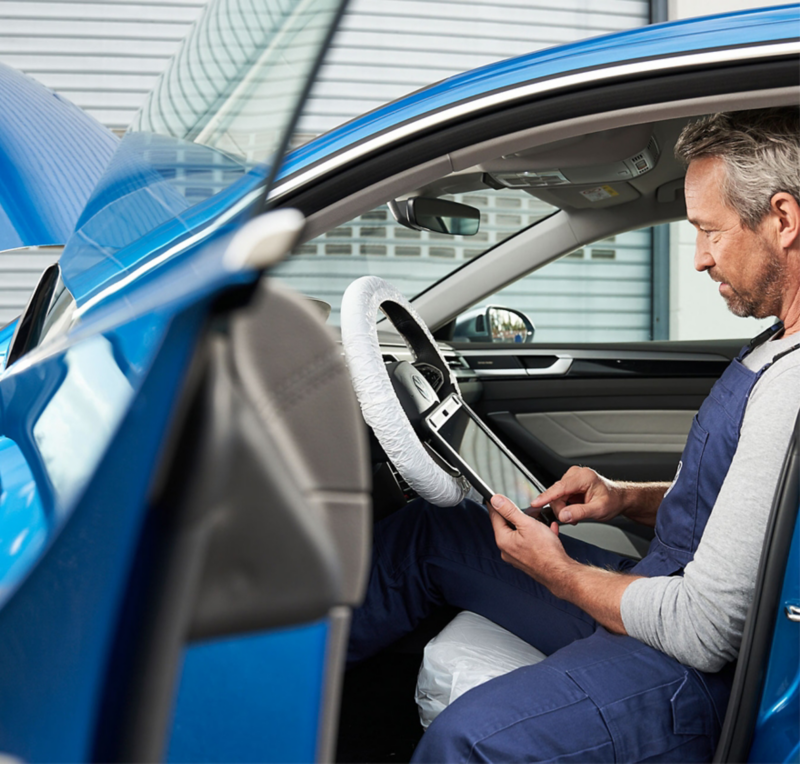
{"points": [[379, 403]]}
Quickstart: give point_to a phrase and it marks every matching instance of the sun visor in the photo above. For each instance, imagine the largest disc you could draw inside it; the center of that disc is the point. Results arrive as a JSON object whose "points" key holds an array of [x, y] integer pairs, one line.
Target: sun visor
{"points": [[51, 156]]}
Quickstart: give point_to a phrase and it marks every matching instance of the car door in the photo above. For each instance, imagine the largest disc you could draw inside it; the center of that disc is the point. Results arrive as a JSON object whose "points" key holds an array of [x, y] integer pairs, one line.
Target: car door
{"points": [[763, 720], [173, 578]]}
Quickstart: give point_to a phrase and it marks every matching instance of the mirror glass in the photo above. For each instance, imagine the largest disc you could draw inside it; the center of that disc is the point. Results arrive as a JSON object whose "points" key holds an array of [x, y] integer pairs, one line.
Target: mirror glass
{"points": [[509, 326]]}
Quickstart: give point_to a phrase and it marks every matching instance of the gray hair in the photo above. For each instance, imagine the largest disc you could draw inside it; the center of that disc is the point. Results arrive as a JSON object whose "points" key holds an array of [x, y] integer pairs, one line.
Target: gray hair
{"points": [[761, 152]]}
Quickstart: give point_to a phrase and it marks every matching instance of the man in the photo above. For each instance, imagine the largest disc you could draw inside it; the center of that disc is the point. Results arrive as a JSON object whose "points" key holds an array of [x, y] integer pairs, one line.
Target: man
{"points": [[639, 654]]}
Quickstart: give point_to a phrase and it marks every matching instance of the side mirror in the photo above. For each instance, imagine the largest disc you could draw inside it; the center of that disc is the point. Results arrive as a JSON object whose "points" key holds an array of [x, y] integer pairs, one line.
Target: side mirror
{"points": [[494, 323], [438, 215]]}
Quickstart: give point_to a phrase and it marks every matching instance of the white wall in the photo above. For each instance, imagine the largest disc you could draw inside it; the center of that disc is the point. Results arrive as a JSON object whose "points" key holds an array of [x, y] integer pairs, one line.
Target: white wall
{"points": [[684, 9], [696, 309]]}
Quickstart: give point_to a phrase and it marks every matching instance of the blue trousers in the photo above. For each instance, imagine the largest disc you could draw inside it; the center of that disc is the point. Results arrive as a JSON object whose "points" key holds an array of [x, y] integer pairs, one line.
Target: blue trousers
{"points": [[597, 697]]}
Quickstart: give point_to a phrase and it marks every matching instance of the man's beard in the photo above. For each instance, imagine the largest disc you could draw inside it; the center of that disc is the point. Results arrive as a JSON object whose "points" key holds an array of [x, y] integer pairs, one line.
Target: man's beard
{"points": [[765, 297]]}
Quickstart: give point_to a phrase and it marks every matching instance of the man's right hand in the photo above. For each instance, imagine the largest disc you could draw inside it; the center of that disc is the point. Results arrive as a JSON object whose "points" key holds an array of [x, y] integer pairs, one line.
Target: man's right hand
{"points": [[582, 494]]}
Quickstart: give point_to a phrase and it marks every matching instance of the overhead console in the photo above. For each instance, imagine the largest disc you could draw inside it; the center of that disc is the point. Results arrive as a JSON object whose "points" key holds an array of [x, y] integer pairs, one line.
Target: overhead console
{"points": [[592, 170], [639, 163]]}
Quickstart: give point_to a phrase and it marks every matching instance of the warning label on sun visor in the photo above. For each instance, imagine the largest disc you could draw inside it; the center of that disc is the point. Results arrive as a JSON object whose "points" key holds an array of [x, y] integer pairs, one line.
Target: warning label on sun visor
{"points": [[599, 194]]}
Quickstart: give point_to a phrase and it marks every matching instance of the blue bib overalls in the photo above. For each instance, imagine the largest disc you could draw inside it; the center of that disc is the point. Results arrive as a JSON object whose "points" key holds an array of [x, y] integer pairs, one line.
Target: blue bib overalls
{"points": [[598, 696]]}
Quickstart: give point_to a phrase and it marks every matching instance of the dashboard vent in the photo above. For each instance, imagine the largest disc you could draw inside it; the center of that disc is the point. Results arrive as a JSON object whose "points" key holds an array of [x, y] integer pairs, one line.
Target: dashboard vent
{"points": [[456, 363]]}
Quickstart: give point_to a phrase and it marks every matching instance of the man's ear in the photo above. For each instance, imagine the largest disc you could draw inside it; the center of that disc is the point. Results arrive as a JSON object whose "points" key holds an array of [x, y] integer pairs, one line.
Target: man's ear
{"points": [[786, 212]]}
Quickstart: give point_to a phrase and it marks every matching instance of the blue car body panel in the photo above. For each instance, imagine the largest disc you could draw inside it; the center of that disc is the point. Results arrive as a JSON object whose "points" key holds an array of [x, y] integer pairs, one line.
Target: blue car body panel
{"points": [[777, 732], [256, 696], [58, 626], [51, 157], [146, 230]]}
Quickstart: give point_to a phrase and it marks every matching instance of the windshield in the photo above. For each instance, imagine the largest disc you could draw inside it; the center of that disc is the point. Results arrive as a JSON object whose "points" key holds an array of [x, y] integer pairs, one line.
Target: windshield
{"points": [[374, 243]]}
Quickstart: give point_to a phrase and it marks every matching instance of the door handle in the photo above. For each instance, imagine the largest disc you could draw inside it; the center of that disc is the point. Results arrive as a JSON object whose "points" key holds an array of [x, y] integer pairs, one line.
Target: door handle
{"points": [[560, 367], [793, 611]]}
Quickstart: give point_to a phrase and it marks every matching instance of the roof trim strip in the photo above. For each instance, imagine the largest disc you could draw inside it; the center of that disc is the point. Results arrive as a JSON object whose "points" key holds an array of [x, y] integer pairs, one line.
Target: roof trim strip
{"points": [[593, 76]]}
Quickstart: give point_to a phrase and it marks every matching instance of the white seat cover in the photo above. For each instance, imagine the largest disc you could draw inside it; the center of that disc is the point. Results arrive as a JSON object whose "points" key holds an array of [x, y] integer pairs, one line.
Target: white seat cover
{"points": [[469, 651]]}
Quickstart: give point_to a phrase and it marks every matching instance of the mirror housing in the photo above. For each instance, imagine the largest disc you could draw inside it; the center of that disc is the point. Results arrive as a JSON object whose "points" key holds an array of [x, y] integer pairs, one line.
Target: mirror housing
{"points": [[493, 323], [423, 213]]}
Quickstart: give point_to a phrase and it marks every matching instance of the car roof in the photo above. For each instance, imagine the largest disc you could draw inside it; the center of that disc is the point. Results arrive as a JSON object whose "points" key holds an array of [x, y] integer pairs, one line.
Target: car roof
{"points": [[731, 31]]}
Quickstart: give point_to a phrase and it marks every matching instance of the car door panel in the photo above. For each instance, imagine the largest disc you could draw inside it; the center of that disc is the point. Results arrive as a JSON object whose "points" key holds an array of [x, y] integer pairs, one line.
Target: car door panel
{"points": [[623, 412]]}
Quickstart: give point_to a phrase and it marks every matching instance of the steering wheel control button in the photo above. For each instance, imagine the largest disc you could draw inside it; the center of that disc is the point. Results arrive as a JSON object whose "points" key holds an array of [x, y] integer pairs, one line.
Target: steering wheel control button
{"points": [[432, 374], [414, 391]]}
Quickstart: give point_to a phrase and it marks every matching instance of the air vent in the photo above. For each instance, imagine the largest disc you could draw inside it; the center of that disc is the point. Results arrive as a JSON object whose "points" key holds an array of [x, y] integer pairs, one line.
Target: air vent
{"points": [[434, 376], [456, 362]]}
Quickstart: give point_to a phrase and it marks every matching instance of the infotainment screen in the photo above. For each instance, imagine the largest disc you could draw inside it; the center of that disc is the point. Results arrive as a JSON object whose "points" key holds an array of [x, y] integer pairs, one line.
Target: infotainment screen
{"points": [[465, 442]]}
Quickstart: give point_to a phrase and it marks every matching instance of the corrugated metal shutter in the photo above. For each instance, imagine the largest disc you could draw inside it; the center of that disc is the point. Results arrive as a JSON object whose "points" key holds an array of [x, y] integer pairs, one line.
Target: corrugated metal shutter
{"points": [[600, 293], [384, 50], [105, 55]]}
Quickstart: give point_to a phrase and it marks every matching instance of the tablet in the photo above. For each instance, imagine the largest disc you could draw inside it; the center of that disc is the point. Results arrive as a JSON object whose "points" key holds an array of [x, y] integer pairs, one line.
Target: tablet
{"points": [[475, 451]]}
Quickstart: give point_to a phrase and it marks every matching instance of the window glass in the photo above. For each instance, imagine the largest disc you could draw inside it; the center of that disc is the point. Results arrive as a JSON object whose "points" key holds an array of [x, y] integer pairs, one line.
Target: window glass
{"points": [[696, 310], [375, 244], [636, 286], [599, 293]]}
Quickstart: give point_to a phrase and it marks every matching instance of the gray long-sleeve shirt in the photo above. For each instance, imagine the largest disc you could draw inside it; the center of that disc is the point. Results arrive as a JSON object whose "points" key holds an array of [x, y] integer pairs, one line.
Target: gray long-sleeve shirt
{"points": [[698, 618]]}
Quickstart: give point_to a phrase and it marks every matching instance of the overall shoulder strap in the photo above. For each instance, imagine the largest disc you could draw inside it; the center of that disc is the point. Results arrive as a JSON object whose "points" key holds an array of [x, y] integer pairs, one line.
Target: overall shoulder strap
{"points": [[773, 331]]}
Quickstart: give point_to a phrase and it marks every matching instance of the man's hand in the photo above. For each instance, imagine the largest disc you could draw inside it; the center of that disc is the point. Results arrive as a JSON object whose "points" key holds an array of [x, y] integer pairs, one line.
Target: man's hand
{"points": [[582, 494], [530, 545], [535, 549]]}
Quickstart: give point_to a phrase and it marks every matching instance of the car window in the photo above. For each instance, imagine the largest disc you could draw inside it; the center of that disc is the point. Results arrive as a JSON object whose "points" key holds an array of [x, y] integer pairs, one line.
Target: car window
{"points": [[633, 287], [375, 244]]}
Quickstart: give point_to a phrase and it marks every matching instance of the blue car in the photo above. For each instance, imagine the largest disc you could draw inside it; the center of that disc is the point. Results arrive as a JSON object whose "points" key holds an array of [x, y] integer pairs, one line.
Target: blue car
{"points": [[187, 486]]}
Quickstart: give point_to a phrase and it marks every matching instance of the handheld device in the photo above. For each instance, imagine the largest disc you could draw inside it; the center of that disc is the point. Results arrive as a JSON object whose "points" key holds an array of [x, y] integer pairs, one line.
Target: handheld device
{"points": [[469, 446]]}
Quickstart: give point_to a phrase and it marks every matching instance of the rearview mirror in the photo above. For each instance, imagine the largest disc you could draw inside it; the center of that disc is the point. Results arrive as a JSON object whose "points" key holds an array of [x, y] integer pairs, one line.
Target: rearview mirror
{"points": [[438, 215], [494, 323]]}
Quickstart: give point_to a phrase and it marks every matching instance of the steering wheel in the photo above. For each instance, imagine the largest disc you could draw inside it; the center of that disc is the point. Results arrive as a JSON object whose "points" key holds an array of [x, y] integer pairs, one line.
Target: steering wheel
{"points": [[395, 397]]}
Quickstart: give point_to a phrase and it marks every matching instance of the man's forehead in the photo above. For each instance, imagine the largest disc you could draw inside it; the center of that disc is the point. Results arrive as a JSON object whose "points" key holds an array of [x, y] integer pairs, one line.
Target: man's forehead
{"points": [[702, 190], [704, 170]]}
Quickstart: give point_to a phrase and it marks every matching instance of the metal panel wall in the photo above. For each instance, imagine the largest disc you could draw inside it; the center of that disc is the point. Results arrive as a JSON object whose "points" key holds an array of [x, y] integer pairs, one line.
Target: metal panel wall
{"points": [[386, 49], [104, 55]]}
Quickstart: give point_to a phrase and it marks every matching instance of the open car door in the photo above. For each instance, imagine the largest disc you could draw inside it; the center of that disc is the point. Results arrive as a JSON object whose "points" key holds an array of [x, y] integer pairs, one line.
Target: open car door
{"points": [[178, 546]]}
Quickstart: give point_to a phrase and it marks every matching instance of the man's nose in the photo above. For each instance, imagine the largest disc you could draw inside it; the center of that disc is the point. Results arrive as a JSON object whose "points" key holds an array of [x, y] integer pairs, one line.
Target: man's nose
{"points": [[702, 257]]}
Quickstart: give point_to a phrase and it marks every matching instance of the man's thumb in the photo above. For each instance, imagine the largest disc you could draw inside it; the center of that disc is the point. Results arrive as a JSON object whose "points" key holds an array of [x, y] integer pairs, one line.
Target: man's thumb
{"points": [[572, 513], [504, 506]]}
